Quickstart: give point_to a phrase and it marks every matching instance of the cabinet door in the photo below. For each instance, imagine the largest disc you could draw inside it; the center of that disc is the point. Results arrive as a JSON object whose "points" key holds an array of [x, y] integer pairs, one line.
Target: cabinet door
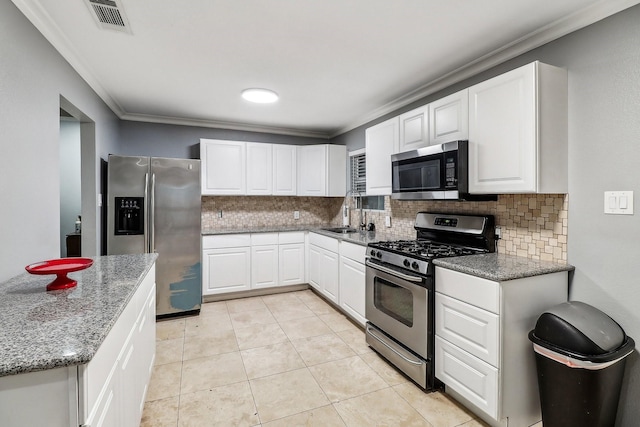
{"points": [[352, 289], [223, 167], [449, 118], [312, 170], [472, 378], [470, 328], [259, 169], [330, 275], [315, 266], [381, 141], [264, 266], [284, 170], [291, 264], [502, 133], [414, 129], [226, 270]]}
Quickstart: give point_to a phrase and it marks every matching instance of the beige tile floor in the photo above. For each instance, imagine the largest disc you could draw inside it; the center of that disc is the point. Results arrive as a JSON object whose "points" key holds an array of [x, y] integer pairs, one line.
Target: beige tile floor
{"points": [[282, 360]]}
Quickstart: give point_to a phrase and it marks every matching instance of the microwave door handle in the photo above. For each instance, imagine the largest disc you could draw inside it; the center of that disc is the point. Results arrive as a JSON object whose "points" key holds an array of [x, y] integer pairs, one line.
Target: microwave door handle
{"points": [[407, 277]]}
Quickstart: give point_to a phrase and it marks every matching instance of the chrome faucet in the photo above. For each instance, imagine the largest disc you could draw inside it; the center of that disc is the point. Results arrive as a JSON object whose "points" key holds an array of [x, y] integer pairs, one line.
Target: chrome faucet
{"points": [[361, 225]]}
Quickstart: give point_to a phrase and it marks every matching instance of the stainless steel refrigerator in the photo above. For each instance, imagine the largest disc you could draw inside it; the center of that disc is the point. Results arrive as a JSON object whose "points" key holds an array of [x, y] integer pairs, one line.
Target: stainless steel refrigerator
{"points": [[153, 205]]}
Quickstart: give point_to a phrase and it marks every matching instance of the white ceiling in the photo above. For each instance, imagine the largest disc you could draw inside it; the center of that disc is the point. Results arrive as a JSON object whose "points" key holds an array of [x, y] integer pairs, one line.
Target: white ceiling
{"points": [[336, 64]]}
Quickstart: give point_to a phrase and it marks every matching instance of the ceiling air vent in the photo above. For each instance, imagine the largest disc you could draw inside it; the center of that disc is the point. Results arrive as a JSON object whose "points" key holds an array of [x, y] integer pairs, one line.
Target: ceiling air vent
{"points": [[109, 14]]}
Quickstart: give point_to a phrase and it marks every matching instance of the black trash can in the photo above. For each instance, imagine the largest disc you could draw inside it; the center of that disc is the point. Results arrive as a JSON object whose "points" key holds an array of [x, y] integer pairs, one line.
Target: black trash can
{"points": [[580, 357]]}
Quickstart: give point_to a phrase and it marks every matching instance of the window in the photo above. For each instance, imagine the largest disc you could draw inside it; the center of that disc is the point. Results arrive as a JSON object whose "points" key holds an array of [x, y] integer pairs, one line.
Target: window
{"points": [[358, 175]]}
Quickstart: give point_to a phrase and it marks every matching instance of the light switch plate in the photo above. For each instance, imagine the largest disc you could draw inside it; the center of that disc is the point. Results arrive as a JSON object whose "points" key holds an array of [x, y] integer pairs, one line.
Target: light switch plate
{"points": [[618, 202]]}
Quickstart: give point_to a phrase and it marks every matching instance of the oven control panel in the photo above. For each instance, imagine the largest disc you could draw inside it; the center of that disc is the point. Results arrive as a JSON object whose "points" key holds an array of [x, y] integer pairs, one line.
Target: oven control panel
{"points": [[400, 261], [446, 222]]}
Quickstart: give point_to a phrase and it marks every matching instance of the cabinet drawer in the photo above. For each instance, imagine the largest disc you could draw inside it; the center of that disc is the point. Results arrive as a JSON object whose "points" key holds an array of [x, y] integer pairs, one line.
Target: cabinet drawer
{"points": [[291, 237], [353, 251], [470, 328], [476, 291], [226, 241], [258, 239], [472, 378], [324, 242]]}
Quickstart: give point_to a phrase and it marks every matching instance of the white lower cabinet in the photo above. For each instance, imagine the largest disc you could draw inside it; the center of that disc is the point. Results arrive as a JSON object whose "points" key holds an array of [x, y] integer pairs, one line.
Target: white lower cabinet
{"points": [[264, 260], [108, 391], [352, 281], [291, 264], [482, 352], [324, 266], [226, 263], [242, 262]]}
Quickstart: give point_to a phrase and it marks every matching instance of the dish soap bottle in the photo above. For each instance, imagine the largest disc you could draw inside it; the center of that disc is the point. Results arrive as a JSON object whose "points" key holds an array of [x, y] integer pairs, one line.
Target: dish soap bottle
{"points": [[78, 225]]}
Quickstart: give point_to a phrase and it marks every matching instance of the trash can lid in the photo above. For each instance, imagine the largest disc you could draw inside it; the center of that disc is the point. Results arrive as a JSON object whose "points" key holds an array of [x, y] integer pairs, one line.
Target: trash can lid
{"points": [[578, 328]]}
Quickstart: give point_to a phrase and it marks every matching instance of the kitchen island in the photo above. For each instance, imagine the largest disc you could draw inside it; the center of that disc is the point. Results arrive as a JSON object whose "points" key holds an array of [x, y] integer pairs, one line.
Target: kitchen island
{"points": [[82, 355]]}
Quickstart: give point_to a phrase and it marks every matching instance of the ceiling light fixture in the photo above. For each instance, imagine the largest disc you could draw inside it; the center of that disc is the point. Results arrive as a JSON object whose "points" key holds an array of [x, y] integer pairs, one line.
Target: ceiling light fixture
{"points": [[260, 96]]}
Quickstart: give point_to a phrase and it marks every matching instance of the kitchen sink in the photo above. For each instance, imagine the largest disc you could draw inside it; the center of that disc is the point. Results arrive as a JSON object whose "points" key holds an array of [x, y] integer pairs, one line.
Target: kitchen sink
{"points": [[341, 229]]}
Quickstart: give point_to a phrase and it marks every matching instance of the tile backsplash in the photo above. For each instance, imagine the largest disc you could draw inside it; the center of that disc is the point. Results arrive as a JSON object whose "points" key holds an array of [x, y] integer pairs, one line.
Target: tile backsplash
{"points": [[532, 226], [237, 212]]}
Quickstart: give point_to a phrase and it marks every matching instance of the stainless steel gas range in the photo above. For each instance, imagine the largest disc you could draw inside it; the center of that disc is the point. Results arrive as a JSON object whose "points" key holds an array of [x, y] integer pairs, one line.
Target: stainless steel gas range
{"points": [[400, 288]]}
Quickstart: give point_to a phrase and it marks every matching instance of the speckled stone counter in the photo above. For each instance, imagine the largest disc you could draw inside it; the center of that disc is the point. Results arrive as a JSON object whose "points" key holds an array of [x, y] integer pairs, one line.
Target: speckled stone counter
{"points": [[499, 268], [360, 238], [44, 330]]}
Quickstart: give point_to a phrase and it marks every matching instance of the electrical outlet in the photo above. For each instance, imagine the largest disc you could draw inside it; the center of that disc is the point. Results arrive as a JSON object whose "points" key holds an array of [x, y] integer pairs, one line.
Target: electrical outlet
{"points": [[387, 221], [296, 214], [498, 233]]}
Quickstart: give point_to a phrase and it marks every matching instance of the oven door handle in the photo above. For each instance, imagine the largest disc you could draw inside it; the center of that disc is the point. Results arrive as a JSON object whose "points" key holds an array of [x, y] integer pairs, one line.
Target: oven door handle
{"points": [[405, 358], [379, 267]]}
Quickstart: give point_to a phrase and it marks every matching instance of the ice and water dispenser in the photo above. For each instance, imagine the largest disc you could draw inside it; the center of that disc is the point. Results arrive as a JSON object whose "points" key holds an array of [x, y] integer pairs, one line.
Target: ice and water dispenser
{"points": [[129, 215]]}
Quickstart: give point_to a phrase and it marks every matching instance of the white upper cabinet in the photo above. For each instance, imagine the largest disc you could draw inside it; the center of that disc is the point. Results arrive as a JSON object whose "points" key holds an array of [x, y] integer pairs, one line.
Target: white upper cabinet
{"points": [[322, 170], [449, 118], [248, 168], [259, 169], [414, 129], [223, 167], [518, 132], [284, 170], [381, 141]]}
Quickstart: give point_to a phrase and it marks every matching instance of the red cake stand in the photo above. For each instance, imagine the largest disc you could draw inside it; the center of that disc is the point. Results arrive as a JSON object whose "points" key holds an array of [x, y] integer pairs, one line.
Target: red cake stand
{"points": [[60, 267]]}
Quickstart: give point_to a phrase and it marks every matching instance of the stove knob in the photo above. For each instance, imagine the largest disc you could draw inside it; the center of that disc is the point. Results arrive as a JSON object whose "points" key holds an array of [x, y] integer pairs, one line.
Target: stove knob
{"points": [[415, 265], [373, 252], [406, 263], [379, 255]]}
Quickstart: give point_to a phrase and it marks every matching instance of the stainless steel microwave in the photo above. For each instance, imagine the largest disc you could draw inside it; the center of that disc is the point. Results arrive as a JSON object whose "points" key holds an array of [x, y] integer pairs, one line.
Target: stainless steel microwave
{"points": [[436, 172]]}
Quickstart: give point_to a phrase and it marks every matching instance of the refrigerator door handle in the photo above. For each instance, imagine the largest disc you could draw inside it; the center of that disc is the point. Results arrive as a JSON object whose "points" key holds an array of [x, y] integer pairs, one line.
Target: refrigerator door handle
{"points": [[152, 225], [146, 197]]}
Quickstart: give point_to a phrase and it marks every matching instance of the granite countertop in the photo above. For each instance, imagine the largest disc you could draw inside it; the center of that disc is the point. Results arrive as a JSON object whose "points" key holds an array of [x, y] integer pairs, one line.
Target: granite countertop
{"points": [[499, 268], [44, 330], [360, 238]]}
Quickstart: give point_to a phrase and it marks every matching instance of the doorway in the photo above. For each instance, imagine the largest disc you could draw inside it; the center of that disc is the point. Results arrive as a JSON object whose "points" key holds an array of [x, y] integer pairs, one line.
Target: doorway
{"points": [[90, 195], [70, 186]]}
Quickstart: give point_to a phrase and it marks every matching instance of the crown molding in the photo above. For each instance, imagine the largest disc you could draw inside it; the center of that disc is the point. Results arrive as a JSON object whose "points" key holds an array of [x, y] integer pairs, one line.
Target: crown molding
{"points": [[223, 125], [546, 34]]}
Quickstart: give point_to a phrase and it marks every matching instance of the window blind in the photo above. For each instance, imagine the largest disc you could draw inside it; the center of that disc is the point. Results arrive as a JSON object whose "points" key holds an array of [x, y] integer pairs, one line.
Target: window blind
{"points": [[359, 173]]}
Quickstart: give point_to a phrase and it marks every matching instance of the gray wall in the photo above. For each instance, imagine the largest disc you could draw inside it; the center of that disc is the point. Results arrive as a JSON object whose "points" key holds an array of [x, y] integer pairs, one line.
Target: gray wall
{"points": [[33, 76], [603, 61], [163, 140]]}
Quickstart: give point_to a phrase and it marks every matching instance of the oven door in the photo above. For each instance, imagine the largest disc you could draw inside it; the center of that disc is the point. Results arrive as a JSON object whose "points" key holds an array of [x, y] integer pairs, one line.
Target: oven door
{"points": [[397, 303]]}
